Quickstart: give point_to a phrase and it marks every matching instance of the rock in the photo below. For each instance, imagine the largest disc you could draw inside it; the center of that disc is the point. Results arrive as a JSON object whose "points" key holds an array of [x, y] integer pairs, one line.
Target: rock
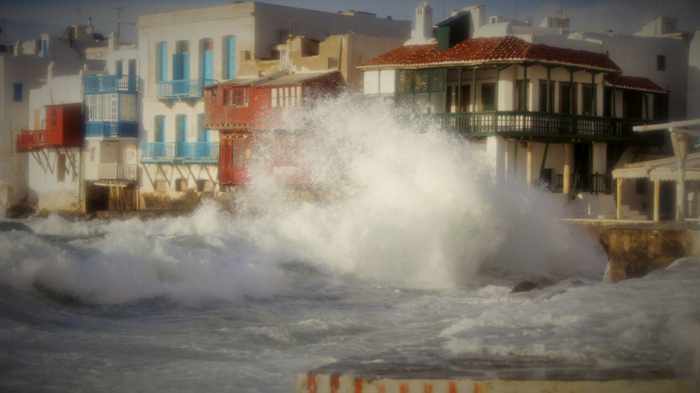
{"points": [[6, 226], [525, 286]]}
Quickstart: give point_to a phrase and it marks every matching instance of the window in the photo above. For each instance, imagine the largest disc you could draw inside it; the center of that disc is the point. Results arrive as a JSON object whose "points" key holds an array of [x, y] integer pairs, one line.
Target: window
{"points": [[119, 68], [546, 102], [17, 92], [661, 63], [161, 62], [488, 97], [206, 47], [181, 61], [44, 47], [159, 127], [589, 100], [521, 95], [239, 97], [565, 97], [229, 57], [607, 102]]}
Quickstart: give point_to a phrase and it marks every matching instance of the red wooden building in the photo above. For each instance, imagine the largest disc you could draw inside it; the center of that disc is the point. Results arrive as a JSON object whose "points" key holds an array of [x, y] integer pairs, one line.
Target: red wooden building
{"points": [[243, 110], [63, 128]]}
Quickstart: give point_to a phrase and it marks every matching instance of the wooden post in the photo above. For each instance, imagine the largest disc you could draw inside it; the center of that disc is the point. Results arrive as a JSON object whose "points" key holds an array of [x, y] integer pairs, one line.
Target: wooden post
{"points": [[680, 150], [527, 96], [548, 96], [657, 198], [473, 103], [618, 198], [568, 168]]}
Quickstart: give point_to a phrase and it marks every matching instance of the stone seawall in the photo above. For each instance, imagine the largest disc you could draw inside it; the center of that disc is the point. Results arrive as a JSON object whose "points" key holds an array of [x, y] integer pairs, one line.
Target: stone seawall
{"points": [[637, 249]]}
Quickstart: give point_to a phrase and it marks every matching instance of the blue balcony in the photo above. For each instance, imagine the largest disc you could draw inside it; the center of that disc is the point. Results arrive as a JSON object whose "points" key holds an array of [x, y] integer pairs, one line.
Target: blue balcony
{"points": [[100, 84], [183, 89], [180, 152], [111, 129]]}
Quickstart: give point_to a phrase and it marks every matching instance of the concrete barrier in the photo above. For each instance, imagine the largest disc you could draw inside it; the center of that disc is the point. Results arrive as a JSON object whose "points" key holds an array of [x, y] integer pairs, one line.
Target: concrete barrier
{"points": [[348, 383]]}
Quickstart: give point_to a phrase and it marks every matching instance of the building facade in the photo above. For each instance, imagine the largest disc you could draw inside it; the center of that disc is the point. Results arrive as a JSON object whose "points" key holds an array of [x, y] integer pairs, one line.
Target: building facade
{"points": [[553, 116], [111, 110], [183, 52]]}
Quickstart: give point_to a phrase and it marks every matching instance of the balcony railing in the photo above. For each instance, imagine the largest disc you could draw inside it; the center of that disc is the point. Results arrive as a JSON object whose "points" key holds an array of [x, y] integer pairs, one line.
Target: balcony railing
{"points": [[111, 129], [96, 84], [28, 140], [194, 152], [182, 89], [114, 171], [537, 124]]}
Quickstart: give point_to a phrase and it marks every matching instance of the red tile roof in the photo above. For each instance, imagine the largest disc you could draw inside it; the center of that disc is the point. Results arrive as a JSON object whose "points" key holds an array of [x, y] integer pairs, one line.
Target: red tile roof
{"points": [[634, 83], [496, 49]]}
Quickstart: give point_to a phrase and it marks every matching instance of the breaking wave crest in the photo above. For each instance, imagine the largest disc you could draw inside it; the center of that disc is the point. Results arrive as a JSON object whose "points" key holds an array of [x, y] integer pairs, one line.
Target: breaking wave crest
{"points": [[398, 200]]}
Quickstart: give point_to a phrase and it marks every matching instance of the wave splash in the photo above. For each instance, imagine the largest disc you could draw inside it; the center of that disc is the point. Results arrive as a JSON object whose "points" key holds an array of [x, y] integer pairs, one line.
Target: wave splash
{"points": [[404, 202]]}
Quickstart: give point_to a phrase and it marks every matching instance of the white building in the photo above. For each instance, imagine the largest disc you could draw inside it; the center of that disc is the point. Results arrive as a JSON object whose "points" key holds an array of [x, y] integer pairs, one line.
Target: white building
{"points": [[111, 101], [181, 52], [26, 66], [544, 114]]}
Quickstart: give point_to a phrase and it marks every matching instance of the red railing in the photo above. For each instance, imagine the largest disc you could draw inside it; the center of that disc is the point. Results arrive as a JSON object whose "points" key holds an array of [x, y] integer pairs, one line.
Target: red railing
{"points": [[28, 140]]}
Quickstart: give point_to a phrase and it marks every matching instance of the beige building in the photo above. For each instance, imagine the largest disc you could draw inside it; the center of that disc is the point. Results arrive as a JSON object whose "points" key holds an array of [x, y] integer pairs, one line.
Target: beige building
{"points": [[181, 52]]}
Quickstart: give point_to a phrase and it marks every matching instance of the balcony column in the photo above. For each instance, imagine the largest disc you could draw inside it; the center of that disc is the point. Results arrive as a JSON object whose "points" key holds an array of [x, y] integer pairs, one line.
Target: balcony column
{"points": [[568, 168], [600, 158], [530, 164], [680, 150], [618, 198], [548, 96], [473, 103], [496, 150], [657, 199]]}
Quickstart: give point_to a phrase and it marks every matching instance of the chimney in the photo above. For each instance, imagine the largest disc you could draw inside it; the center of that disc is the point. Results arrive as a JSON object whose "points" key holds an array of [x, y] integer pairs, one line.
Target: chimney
{"points": [[423, 26]]}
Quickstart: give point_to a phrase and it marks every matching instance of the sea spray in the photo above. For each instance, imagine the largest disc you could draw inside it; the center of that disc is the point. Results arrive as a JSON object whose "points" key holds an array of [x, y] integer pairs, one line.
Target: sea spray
{"points": [[417, 205]]}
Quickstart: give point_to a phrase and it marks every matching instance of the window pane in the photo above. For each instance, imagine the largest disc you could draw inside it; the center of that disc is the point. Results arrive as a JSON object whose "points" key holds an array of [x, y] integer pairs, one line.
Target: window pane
{"points": [[488, 97]]}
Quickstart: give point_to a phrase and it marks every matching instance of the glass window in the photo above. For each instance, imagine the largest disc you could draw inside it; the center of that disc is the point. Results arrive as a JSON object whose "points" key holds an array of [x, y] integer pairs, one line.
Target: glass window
{"points": [[488, 97], [405, 81], [661, 63], [589, 100], [422, 79], [17, 91], [239, 97], [546, 103], [520, 95], [564, 97]]}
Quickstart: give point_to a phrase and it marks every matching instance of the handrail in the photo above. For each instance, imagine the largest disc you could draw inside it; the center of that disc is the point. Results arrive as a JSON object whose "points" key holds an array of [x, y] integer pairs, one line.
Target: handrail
{"points": [[537, 124], [182, 88], [180, 151], [109, 84]]}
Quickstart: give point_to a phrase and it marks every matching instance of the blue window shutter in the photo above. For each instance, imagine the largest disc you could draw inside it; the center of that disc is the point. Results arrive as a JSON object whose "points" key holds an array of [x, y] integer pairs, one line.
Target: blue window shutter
{"points": [[230, 71], [208, 65], [162, 61], [160, 128], [177, 67], [185, 65], [181, 128]]}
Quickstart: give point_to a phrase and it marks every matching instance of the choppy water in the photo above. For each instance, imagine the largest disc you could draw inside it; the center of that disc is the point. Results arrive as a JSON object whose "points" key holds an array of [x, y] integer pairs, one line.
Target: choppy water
{"points": [[413, 251]]}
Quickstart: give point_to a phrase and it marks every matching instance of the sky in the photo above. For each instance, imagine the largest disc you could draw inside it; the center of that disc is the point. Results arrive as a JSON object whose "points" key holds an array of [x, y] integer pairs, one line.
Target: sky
{"points": [[27, 18]]}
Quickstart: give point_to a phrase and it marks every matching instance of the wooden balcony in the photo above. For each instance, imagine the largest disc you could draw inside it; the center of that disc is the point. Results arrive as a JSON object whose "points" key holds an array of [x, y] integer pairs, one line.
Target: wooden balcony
{"points": [[539, 126]]}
